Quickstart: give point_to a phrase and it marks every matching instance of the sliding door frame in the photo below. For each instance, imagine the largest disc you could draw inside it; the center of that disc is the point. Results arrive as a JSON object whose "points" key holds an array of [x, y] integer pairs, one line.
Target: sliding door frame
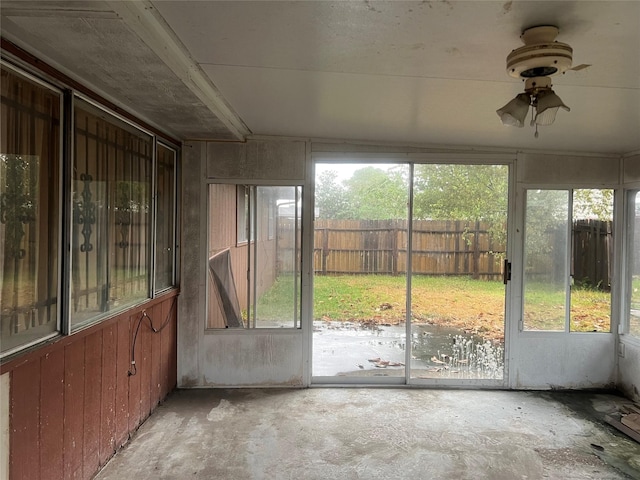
{"points": [[410, 159]]}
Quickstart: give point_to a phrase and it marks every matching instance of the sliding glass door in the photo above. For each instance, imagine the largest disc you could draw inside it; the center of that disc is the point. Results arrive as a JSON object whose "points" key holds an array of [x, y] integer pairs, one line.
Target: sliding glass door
{"points": [[408, 263], [360, 281], [458, 249]]}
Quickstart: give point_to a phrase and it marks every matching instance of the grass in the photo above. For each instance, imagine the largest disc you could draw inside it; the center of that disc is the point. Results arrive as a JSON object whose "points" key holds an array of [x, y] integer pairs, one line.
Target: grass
{"points": [[277, 303], [470, 305], [474, 306]]}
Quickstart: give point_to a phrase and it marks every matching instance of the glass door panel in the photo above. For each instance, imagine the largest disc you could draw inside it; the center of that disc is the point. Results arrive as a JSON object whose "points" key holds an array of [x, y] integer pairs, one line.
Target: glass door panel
{"points": [[360, 289], [254, 256], [545, 259], [458, 246]]}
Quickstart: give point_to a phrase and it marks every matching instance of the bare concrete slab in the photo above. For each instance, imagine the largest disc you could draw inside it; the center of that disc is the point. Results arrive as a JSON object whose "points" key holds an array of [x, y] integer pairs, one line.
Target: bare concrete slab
{"points": [[349, 433]]}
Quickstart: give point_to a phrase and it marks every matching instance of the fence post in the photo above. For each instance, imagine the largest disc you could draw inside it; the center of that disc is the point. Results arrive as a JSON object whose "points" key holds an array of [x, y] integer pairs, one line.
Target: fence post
{"points": [[476, 252], [394, 248], [325, 249]]}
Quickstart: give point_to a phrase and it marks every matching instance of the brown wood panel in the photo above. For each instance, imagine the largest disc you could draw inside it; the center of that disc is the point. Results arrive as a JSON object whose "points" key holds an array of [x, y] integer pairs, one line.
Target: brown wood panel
{"points": [[122, 382], [165, 348], [108, 393], [134, 380], [69, 403], [156, 356], [52, 415], [73, 409], [172, 353], [24, 412], [144, 366], [92, 402]]}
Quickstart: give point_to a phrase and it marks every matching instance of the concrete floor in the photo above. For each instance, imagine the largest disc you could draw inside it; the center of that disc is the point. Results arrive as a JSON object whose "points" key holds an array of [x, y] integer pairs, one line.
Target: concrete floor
{"points": [[363, 433]]}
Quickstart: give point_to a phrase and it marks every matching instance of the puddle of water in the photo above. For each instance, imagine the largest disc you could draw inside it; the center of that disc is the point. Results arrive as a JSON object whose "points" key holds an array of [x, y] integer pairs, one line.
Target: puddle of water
{"points": [[349, 349]]}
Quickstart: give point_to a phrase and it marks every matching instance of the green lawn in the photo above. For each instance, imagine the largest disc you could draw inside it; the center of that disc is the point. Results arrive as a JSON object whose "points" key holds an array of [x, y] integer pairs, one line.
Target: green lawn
{"points": [[461, 302]]}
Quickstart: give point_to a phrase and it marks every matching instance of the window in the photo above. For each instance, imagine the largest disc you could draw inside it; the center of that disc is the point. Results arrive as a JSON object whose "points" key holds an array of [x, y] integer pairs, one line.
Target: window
{"points": [[245, 217], [633, 264], [101, 228], [111, 202], [568, 255], [254, 284], [29, 210], [165, 218]]}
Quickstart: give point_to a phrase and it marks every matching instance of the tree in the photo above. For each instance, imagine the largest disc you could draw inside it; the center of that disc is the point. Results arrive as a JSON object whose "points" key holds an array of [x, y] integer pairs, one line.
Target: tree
{"points": [[593, 204], [376, 194], [331, 197], [463, 192]]}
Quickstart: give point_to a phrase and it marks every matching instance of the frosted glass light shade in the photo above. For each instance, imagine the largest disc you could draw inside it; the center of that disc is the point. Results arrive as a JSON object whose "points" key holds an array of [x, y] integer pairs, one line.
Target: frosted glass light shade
{"points": [[547, 105], [514, 112]]}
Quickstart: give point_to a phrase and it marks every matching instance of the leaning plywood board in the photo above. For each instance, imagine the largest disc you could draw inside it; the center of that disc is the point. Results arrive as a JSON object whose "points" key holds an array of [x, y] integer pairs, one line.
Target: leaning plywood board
{"points": [[632, 421], [623, 428]]}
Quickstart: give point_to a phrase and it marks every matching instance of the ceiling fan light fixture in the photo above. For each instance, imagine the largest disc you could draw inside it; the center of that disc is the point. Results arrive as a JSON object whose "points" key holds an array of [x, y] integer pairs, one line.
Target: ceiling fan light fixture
{"points": [[514, 112], [547, 104], [540, 58]]}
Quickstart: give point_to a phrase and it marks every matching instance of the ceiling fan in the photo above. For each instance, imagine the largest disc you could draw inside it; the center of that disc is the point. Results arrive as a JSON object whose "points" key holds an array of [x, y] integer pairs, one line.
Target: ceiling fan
{"points": [[540, 58]]}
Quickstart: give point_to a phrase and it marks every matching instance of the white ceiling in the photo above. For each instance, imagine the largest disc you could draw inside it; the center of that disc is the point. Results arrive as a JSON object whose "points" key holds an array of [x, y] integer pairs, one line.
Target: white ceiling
{"points": [[415, 73]]}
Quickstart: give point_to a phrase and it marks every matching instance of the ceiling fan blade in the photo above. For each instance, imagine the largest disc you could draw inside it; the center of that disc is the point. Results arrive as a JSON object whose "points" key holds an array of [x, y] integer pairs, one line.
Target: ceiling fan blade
{"points": [[582, 66]]}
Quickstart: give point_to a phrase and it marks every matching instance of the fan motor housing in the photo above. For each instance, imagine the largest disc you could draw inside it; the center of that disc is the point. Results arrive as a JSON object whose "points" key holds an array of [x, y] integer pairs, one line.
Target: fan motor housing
{"points": [[540, 56]]}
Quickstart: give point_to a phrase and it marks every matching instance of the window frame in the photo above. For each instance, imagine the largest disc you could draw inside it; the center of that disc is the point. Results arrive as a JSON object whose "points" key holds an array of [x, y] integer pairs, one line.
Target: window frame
{"points": [[569, 244], [631, 197], [69, 93], [155, 291], [59, 327], [245, 214], [257, 237], [119, 122]]}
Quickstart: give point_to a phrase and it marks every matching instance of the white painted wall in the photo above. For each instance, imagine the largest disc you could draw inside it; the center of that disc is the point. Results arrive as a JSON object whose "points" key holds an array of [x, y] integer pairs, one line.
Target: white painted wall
{"points": [[252, 358], [563, 360], [4, 425], [628, 380]]}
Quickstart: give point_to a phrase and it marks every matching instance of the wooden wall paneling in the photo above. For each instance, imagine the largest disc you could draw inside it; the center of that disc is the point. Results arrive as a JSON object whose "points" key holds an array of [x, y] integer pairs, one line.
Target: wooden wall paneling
{"points": [[109, 381], [156, 356], [123, 359], [173, 346], [73, 409], [165, 348], [92, 402], [73, 403], [24, 411], [134, 380], [145, 367], [52, 414]]}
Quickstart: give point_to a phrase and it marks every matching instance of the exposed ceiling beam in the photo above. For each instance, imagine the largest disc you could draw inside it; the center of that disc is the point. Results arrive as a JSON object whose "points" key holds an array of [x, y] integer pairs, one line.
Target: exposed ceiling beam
{"points": [[143, 18]]}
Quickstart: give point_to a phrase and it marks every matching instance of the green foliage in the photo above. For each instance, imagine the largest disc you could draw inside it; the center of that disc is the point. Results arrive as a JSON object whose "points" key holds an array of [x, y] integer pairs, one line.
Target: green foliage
{"points": [[593, 203], [370, 194], [461, 192], [375, 194], [331, 197]]}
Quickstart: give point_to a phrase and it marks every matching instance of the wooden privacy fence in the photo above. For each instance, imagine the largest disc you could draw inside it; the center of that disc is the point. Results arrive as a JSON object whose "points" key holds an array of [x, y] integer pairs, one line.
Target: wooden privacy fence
{"points": [[440, 247], [592, 253], [380, 247]]}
